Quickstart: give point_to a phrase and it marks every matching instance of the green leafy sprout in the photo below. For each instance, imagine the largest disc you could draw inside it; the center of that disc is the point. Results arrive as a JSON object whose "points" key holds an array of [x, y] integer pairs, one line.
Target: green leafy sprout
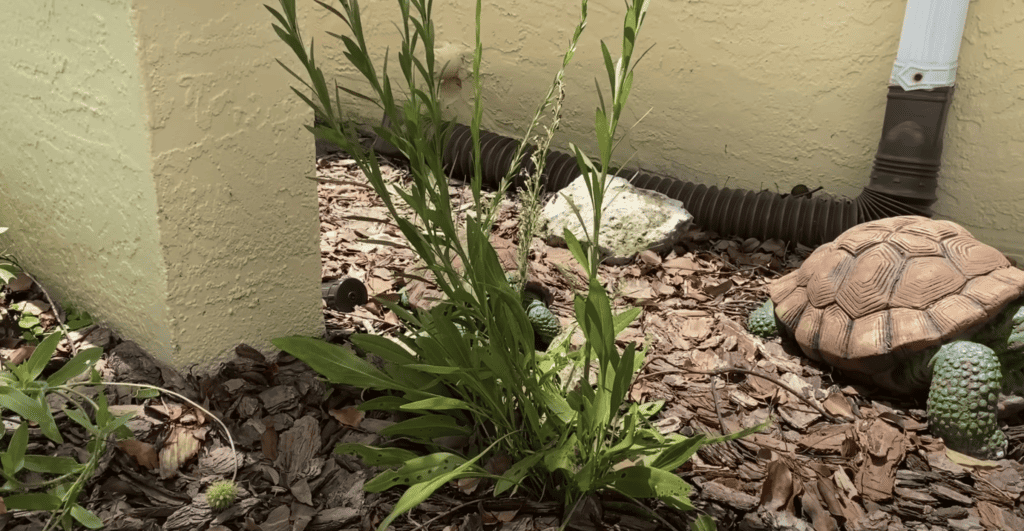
{"points": [[24, 392], [221, 494]]}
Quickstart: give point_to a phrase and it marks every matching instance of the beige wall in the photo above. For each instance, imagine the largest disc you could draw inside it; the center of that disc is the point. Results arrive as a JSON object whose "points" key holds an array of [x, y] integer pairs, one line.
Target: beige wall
{"points": [[750, 94], [154, 171]]}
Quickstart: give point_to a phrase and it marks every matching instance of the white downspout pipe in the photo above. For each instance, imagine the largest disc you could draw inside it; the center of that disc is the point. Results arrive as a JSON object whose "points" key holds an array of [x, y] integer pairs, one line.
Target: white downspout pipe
{"points": [[929, 44]]}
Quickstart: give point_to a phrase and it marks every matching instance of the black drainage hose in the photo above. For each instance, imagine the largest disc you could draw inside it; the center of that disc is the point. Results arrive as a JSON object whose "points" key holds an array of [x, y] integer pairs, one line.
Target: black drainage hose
{"points": [[903, 179]]}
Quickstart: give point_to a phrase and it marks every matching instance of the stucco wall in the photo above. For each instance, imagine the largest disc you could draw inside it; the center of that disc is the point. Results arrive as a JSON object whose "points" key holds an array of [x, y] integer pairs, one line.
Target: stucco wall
{"points": [[238, 218], [76, 185], [747, 93], [155, 166]]}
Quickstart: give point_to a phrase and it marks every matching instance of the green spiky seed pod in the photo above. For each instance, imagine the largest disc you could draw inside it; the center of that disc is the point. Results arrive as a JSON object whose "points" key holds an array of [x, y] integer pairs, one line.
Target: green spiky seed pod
{"points": [[966, 378], [762, 321], [221, 495], [545, 324]]}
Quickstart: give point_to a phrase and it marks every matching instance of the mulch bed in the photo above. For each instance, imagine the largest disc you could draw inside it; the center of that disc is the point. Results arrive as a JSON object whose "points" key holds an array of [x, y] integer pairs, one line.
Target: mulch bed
{"points": [[838, 455]]}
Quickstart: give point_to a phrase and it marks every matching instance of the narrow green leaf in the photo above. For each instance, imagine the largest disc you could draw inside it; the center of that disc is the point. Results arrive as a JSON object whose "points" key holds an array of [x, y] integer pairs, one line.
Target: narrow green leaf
{"points": [[576, 249], [419, 492], [678, 453], [13, 459], [32, 502], [627, 85], [703, 523], [648, 482], [623, 319], [41, 355], [439, 403], [435, 369], [416, 470], [75, 366], [517, 472], [623, 376], [82, 419], [386, 348], [609, 68], [85, 517], [145, 393], [332, 10], [376, 456], [383, 403], [740, 434], [628, 431], [560, 457], [336, 363], [426, 427], [29, 409], [45, 464], [359, 95], [603, 131]]}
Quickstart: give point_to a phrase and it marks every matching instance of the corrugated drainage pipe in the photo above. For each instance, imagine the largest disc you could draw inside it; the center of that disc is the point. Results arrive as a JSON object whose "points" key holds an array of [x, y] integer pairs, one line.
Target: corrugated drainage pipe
{"points": [[903, 179]]}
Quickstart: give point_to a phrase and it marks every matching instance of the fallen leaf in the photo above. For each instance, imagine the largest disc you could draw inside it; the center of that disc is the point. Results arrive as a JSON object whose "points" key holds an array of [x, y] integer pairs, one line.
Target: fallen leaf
{"points": [[145, 454], [22, 282], [837, 404], [966, 460], [349, 416], [778, 490], [181, 446], [885, 446], [693, 328], [715, 289], [35, 307]]}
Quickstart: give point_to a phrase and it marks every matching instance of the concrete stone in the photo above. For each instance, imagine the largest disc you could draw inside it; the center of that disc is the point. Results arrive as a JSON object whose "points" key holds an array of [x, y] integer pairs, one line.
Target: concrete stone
{"points": [[633, 219]]}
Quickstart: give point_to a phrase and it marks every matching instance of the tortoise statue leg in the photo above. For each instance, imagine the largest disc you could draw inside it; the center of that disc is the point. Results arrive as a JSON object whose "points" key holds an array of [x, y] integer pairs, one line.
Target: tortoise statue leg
{"points": [[762, 321], [1013, 358], [962, 402]]}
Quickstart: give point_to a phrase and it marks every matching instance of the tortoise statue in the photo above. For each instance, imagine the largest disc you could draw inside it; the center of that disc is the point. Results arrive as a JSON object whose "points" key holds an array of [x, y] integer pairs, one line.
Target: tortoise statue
{"points": [[908, 302]]}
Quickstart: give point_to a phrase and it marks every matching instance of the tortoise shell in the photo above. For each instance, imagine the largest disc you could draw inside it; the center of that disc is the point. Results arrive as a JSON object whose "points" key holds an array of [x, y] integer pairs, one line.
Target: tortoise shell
{"points": [[886, 289]]}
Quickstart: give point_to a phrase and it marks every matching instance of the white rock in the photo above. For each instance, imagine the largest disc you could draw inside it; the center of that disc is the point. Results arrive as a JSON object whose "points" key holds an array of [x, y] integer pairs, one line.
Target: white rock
{"points": [[633, 219]]}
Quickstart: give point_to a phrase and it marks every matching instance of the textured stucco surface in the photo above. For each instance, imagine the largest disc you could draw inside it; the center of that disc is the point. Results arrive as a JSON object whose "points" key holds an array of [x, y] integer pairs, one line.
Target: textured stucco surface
{"points": [[76, 188], [745, 93], [237, 215], [154, 169]]}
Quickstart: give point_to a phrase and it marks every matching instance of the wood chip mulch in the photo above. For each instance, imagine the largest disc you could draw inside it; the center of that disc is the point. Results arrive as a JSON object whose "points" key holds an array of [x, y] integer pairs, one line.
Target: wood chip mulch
{"points": [[838, 456]]}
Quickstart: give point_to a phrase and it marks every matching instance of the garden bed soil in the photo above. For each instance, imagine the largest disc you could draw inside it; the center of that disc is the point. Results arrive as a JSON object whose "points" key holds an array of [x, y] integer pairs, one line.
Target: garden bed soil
{"points": [[837, 455]]}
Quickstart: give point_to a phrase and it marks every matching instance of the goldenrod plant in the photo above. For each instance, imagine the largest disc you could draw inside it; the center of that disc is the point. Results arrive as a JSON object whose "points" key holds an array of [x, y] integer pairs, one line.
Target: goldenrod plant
{"points": [[468, 370]]}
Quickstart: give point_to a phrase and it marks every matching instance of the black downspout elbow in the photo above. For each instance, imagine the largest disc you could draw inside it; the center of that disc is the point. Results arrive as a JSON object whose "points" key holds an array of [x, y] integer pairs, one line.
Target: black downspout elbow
{"points": [[904, 177]]}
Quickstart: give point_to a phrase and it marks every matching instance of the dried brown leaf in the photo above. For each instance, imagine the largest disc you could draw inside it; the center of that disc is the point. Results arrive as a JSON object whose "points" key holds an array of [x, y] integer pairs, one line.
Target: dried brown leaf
{"points": [[779, 490], [348, 416], [181, 446], [885, 446], [145, 454]]}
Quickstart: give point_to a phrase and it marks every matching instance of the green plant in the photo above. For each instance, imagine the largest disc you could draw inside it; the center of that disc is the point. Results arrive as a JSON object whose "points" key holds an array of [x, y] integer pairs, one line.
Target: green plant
{"points": [[53, 483], [30, 325], [221, 494], [24, 393], [469, 370], [8, 267]]}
